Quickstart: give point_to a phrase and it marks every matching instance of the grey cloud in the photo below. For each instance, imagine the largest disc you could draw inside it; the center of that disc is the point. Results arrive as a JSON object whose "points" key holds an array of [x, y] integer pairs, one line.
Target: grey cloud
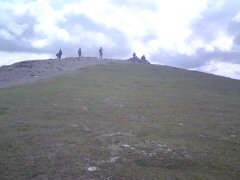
{"points": [[30, 21], [178, 60], [234, 29], [21, 38], [14, 46], [212, 20], [200, 58], [206, 29]]}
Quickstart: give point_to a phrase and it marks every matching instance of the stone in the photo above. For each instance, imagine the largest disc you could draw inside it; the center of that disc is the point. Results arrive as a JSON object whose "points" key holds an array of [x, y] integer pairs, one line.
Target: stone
{"points": [[114, 159], [92, 168], [126, 145], [85, 108]]}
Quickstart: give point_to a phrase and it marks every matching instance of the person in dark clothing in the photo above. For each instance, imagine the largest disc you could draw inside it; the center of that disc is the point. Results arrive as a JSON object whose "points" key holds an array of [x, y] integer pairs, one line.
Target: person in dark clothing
{"points": [[80, 53], [59, 54], [143, 58], [100, 52], [134, 55]]}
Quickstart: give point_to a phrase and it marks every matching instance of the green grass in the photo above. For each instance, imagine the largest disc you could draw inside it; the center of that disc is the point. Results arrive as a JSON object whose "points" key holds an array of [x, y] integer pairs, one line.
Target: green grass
{"points": [[158, 122]]}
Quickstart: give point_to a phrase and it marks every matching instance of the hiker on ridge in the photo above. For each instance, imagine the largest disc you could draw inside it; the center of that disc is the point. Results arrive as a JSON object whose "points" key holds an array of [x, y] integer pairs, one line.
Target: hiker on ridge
{"points": [[143, 58], [100, 52], [59, 54], [80, 53], [134, 56]]}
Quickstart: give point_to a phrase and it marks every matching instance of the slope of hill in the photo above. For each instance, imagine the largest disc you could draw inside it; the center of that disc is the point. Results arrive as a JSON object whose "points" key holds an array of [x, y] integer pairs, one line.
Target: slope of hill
{"points": [[122, 121]]}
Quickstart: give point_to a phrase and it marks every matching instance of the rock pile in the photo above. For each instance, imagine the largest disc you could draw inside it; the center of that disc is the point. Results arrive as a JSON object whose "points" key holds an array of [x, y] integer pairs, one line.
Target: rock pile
{"points": [[136, 59]]}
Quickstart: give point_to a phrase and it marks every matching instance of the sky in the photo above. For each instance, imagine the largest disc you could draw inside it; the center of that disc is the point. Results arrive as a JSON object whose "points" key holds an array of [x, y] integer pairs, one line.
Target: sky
{"points": [[202, 35]]}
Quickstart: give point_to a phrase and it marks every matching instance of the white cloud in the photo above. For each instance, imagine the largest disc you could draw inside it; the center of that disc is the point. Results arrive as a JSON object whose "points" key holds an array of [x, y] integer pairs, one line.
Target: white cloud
{"points": [[223, 43], [39, 43], [10, 58], [221, 68], [236, 18]]}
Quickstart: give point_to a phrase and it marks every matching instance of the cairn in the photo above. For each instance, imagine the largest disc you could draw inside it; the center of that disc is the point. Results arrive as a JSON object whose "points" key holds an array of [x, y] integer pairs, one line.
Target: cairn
{"points": [[141, 60]]}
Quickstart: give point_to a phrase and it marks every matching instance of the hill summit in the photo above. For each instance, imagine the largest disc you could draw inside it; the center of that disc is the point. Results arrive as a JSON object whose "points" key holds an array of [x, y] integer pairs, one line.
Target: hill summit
{"points": [[118, 120]]}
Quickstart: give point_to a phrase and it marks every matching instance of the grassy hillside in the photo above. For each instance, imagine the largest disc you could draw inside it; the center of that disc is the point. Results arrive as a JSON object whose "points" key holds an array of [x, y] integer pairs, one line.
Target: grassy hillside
{"points": [[122, 121]]}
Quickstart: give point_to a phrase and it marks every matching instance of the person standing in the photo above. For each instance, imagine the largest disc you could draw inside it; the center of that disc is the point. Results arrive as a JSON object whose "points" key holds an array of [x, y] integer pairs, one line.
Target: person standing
{"points": [[80, 53], [100, 52], [59, 54], [143, 58], [134, 56]]}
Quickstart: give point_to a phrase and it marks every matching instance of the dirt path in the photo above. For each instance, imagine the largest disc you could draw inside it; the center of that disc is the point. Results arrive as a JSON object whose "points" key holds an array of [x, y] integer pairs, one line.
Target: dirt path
{"points": [[30, 71]]}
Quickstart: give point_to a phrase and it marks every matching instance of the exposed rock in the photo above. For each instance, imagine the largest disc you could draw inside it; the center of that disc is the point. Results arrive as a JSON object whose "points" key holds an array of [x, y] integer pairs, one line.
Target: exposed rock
{"points": [[92, 168], [24, 64], [114, 159], [138, 60], [85, 108], [30, 71], [126, 145], [135, 59], [74, 125]]}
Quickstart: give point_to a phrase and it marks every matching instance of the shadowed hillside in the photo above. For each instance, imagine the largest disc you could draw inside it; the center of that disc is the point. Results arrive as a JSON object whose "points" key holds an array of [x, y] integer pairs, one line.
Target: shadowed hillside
{"points": [[122, 121]]}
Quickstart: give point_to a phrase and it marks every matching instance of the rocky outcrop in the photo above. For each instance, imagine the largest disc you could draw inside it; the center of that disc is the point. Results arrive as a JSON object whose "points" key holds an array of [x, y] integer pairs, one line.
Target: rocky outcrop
{"points": [[135, 59], [138, 60]]}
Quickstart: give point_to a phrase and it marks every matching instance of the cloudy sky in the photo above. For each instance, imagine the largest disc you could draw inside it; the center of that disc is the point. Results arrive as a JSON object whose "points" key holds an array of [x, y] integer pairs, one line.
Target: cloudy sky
{"points": [[200, 35]]}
